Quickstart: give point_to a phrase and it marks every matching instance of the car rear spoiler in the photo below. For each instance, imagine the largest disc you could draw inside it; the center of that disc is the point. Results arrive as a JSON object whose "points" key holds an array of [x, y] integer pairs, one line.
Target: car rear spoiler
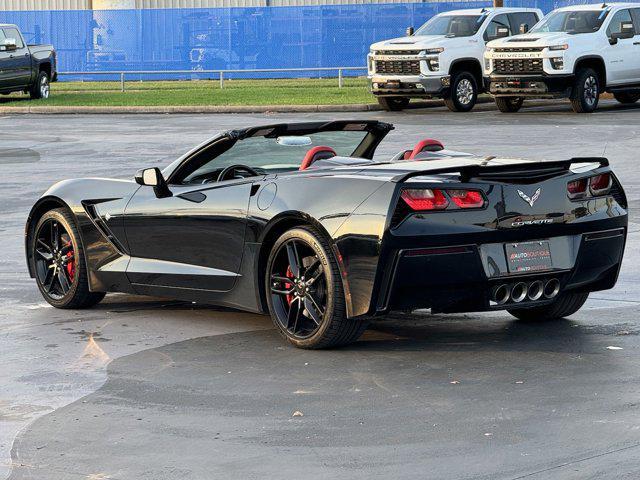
{"points": [[522, 172]]}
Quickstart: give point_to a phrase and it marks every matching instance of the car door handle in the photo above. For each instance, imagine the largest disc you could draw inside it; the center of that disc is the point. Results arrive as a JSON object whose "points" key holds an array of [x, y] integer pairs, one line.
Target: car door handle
{"points": [[636, 43], [195, 197]]}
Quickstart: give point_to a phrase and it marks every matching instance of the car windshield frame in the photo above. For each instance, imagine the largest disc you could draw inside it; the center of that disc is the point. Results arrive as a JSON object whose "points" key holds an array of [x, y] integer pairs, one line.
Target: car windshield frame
{"points": [[442, 25], [563, 16], [348, 138]]}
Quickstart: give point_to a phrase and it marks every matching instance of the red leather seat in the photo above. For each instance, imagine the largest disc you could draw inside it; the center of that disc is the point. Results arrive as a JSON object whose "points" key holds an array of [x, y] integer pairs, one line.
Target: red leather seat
{"points": [[426, 145], [316, 153]]}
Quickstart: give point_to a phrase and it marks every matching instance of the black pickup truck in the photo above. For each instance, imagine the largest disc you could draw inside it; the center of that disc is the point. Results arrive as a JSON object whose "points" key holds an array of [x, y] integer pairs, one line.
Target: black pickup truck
{"points": [[25, 68]]}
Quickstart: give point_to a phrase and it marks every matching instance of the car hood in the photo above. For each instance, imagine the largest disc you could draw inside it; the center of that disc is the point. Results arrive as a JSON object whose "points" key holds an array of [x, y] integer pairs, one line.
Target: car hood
{"points": [[412, 43], [542, 39]]}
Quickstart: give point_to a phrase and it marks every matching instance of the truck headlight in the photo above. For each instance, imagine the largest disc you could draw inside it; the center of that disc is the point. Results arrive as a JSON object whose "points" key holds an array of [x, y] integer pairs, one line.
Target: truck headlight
{"points": [[559, 47], [487, 64], [433, 63], [433, 51]]}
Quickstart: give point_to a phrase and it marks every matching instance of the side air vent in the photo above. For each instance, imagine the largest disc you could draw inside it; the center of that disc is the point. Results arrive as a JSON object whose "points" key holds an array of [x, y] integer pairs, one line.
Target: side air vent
{"points": [[100, 225]]}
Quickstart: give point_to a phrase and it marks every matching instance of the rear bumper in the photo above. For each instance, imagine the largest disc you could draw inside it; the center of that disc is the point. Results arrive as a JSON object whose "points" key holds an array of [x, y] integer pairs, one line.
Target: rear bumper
{"points": [[418, 86], [464, 278], [530, 85]]}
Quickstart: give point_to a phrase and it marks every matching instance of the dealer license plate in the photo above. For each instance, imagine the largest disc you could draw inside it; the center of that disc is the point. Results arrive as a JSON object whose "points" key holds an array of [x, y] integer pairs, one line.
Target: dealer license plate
{"points": [[393, 84], [528, 256]]}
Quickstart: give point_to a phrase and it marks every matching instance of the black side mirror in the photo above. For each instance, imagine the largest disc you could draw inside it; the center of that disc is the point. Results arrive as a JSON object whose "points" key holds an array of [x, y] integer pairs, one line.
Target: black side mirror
{"points": [[410, 31], [152, 177], [502, 32], [524, 27], [627, 30]]}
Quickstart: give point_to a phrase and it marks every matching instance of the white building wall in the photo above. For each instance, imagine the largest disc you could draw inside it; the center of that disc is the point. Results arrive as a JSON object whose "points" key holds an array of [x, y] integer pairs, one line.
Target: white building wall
{"points": [[111, 4], [45, 5]]}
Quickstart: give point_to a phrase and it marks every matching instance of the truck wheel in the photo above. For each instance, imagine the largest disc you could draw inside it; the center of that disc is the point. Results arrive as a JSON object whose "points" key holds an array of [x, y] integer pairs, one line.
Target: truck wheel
{"points": [[42, 87], [565, 305], [304, 292], [463, 94], [393, 104], [586, 91], [509, 104], [626, 98]]}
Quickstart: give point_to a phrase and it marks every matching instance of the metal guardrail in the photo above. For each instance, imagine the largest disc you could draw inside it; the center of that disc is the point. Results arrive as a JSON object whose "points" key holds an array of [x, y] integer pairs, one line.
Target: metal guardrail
{"points": [[220, 73]]}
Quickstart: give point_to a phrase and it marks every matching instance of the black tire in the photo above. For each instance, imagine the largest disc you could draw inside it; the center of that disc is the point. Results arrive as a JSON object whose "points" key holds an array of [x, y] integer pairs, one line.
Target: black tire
{"points": [[566, 304], [78, 294], [333, 328], [41, 87], [626, 98], [586, 91], [393, 104], [463, 93], [509, 104]]}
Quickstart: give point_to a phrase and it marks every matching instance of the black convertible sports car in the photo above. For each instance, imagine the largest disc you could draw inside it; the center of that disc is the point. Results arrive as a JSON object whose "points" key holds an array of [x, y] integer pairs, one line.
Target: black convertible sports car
{"points": [[302, 221]]}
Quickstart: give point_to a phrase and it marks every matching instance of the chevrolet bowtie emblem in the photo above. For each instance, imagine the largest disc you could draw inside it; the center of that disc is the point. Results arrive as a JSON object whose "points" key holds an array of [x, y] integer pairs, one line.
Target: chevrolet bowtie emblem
{"points": [[530, 200]]}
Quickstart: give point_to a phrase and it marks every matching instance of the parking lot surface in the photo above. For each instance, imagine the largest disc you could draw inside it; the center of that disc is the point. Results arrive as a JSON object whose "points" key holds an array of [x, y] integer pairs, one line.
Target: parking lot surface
{"points": [[153, 389]]}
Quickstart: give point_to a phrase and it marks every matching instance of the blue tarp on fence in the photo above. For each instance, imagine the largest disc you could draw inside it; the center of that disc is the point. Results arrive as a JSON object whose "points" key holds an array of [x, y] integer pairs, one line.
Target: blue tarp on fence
{"points": [[229, 38]]}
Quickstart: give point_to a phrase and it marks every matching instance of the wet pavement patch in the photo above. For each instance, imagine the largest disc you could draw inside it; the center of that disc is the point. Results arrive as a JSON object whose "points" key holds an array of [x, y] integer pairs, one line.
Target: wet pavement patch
{"points": [[458, 399], [18, 155]]}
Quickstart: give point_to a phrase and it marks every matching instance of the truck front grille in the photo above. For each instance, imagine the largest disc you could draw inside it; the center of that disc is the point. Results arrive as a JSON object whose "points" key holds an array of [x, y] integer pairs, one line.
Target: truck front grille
{"points": [[518, 65], [398, 67], [398, 52], [519, 49]]}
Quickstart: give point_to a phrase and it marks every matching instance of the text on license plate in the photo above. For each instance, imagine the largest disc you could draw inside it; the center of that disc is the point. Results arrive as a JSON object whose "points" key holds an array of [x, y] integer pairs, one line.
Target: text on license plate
{"points": [[528, 256]]}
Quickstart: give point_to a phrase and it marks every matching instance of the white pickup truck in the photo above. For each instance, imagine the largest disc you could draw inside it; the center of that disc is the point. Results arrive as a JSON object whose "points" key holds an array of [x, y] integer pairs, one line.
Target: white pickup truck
{"points": [[443, 58], [576, 52]]}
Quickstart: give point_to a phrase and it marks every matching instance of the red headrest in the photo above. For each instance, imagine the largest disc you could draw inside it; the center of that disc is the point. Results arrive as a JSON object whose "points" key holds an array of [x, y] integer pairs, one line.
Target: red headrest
{"points": [[427, 145], [316, 153]]}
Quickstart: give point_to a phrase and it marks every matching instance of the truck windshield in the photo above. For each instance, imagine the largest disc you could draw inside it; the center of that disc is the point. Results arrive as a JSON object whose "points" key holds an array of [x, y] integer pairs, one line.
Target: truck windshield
{"points": [[453, 25], [579, 21]]}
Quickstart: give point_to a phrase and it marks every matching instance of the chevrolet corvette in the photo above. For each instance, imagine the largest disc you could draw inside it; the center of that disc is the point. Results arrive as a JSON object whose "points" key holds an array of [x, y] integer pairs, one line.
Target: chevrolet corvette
{"points": [[306, 222]]}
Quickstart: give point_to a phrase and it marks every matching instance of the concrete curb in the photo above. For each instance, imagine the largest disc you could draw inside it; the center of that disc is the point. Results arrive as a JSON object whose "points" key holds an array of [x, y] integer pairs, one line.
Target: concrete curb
{"points": [[355, 107], [189, 109]]}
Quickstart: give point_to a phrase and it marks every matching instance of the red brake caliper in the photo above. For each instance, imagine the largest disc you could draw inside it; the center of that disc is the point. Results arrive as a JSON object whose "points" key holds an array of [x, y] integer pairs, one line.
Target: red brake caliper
{"points": [[71, 266], [287, 286]]}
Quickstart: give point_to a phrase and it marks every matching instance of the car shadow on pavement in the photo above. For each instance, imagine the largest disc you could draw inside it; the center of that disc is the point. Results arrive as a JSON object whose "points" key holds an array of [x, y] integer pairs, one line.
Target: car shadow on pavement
{"points": [[246, 405]]}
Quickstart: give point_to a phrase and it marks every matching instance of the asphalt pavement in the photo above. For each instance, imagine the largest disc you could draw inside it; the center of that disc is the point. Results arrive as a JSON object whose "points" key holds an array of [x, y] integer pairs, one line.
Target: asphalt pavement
{"points": [[140, 388]]}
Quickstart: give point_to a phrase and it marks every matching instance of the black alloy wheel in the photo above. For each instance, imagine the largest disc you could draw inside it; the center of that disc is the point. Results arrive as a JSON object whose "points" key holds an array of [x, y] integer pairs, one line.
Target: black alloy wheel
{"points": [[54, 258], [298, 288], [304, 292], [58, 262]]}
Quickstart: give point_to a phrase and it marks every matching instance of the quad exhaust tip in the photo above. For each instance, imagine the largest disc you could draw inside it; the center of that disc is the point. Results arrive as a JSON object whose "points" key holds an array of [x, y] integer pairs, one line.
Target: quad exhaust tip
{"points": [[525, 291], [551, 288], [501, 294], [519, 292], [535, 290]]}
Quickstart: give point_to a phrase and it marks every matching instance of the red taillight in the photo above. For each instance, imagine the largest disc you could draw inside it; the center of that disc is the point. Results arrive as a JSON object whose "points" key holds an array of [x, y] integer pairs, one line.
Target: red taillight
{"points": [[594, 186], [577, 188], [467, 198], [600, 184], [425, 199]]}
